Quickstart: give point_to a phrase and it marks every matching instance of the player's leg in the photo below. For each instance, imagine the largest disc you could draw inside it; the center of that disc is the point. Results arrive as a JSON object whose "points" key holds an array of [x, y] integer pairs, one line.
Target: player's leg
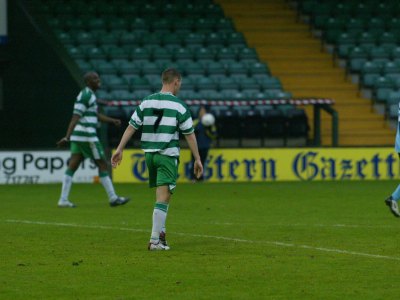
{"points": [[392, 200], [73, 165], [167, 170], [106, 181], [158, 236]]}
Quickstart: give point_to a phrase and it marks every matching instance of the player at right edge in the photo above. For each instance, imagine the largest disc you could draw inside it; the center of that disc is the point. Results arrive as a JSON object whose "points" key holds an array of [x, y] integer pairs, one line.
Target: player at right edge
{"points": [[392, 200]]}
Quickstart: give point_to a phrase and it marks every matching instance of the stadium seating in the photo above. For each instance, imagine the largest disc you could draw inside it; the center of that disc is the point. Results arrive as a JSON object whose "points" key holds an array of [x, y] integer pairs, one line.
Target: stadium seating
{"points": [[129, 43], [367, 35]]}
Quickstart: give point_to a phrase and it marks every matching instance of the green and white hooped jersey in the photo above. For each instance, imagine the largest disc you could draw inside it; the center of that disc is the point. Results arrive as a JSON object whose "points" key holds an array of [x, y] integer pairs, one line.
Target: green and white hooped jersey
{"points": [[86, 107], [162, 116]]}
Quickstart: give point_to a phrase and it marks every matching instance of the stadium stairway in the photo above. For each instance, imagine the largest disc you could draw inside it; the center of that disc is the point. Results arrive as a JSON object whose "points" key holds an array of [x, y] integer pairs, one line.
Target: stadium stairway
{"points": [[295, 56]]}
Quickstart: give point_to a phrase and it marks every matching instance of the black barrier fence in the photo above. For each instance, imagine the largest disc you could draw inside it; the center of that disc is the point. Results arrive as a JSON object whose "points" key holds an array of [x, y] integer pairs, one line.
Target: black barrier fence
{"points": [[253, 123]]}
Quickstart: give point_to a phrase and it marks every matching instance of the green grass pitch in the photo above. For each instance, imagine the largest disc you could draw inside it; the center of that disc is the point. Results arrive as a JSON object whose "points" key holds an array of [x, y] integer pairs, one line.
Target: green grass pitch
{"points": [[303, 240]]}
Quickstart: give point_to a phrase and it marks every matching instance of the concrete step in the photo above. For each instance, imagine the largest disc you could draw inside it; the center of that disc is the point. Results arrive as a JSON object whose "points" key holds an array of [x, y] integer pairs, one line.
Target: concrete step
{"points": [[295, 56]]}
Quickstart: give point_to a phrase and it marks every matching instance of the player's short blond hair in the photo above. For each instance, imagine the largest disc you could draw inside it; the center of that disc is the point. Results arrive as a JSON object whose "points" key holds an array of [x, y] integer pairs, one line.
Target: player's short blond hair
{"points": [[169, 75]]}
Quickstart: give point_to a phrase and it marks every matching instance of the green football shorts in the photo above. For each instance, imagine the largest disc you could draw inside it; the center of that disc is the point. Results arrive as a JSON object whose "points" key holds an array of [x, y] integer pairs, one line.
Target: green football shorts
{"points": [[93, 150], [163, 170]]}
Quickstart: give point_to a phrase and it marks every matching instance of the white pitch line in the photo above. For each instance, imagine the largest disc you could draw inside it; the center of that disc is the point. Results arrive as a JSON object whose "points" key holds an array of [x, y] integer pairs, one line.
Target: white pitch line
{"points": [[306, 225], [275, 243]]}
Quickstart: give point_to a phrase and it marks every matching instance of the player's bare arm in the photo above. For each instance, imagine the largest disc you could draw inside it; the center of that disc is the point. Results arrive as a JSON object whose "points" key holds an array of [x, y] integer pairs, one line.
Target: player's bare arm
{"points": [[74, 120], [192, 142], [117, 156], [106, 119]]}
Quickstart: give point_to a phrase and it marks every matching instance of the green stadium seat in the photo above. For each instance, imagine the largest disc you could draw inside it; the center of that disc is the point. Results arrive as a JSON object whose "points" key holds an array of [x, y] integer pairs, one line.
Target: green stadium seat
{"points": [[189, 95], [367, 38], [248, 83], [247, 53], [139, 83], [140, 53], [84, 37], [380, 52], [192, 68], [116, 82], [214, 40], [162, 53], [128, 67], [204, 24], [346, 38], [116, 23], [174, 39], [331, 35], [342, 9], [368, 80], [84, 65], [215, 68], [183, 53], [121, 95], [358, 52], [257, 68], [210, 94], [250, 94], [395, 53], [127, 38], [364, 10], [370, 67], [184, 24], [103, 95], [387, 38], [269, 83], [391, 67], [104, 9], [139, 24], [394, 97], [205, 83], [355, 64], [64, 37], [151, 68], [105, 68], [376, 23], [95, 52], [96, 23], [392, 111], [225, 83], [231, 94], [226, 54], [383, 82], [195, 39], [204, 53], [140, 94], [225, 25], [115, 52], [381, 94], [235, 39], [237, 68]]}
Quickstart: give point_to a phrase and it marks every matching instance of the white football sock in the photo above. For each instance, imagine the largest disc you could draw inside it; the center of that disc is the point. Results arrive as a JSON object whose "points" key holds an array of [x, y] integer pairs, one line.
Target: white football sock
{"points": [[159, 217], [66, 187], [108, 186]]}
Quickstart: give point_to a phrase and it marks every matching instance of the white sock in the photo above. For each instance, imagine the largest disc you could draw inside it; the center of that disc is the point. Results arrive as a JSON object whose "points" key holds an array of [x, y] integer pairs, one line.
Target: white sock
{"points": [[159, 217], [66, 187], [108, 186], [164, 229]]}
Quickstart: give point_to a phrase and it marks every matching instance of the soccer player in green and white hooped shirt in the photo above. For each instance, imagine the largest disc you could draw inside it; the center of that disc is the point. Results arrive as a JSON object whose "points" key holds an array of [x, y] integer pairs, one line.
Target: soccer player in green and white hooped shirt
{"points": [[162, 116], [82, 135]]}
